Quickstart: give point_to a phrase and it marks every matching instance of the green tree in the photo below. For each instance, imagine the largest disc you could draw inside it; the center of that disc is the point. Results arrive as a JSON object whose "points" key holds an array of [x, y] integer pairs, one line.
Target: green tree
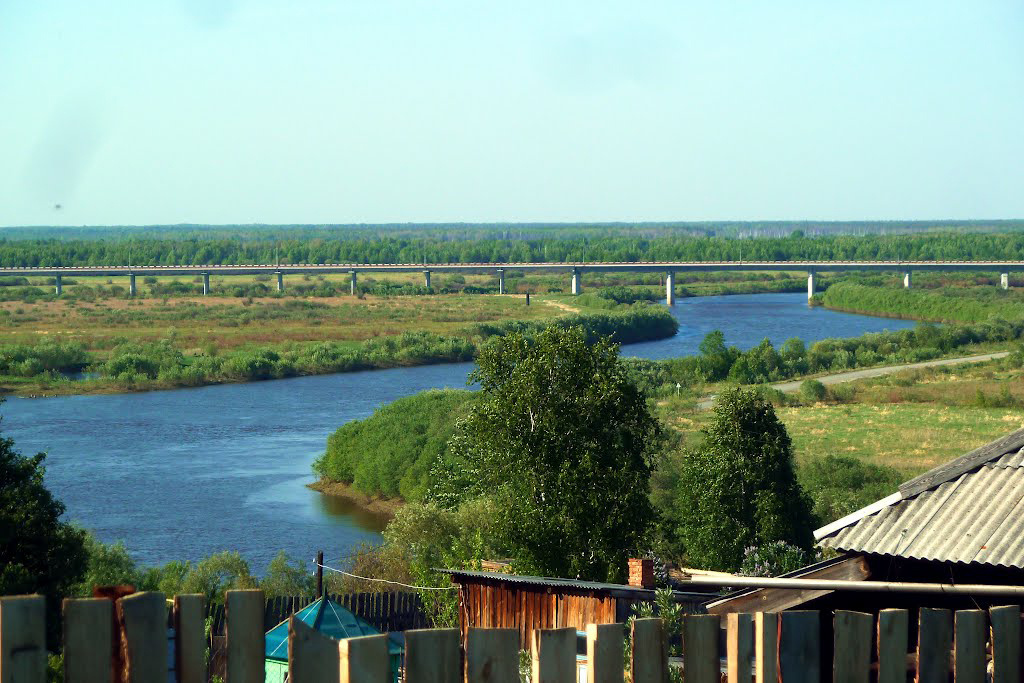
{"points": [[38, 552], [286, 576], [739, 486], [564, 443]]}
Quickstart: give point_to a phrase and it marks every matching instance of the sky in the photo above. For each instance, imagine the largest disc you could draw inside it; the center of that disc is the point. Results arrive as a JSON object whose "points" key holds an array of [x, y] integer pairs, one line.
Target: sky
{"points": [[309, 111]]}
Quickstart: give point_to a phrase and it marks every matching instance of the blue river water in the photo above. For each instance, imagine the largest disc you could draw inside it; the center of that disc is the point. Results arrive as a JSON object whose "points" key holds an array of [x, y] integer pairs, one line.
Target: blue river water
{"points": [[181, 474]]}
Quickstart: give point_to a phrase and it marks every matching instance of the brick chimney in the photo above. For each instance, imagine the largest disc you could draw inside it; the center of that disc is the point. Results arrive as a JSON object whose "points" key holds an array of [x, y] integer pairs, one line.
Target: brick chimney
{"points": [[641, 572]]}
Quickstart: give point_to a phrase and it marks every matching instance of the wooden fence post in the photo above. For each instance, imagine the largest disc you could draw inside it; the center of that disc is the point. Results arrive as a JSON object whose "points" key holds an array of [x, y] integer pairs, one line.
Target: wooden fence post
{"points": [[144, 639], [893, 625], [934, 641], [851, 662], [88, 639], [554, 655], [23, 639], [766, 646], [364, 659], [604, 653], [492, 655], [312, 656], [432, 656], [969, 659], [649, 659], [799, 647], [189, 639], [739, 646], [1006, 649], [244, 615], [701, 662]]}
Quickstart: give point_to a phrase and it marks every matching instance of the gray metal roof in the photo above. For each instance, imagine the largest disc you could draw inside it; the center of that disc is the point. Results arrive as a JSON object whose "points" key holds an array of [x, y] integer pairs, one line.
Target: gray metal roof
{"points": [[970, 510]]}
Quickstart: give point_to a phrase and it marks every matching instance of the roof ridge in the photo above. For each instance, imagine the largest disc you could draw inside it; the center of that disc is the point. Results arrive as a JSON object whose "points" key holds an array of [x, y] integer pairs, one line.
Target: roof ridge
{"points": [[1013, 441]]}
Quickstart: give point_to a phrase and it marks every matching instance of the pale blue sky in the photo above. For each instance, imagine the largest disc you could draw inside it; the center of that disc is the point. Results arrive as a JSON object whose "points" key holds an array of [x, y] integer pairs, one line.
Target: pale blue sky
{"points": [[244, 111]]}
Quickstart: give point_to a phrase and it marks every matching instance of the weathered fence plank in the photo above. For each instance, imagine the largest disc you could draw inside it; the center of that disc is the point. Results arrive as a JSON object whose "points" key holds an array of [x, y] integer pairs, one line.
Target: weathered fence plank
{"points": [[604, 653], [189, 639], [893, 625], [934, 641], [492, 655], [766, 645], [364, 659], [88, 640], [739, 647], [799, 647], [851, 662], [649, 660], [23, 639], [312, 656], [969, 658], [1006, 647], [701, 662], [144, 639], [554, 655], [432, 656], [244, 615]]}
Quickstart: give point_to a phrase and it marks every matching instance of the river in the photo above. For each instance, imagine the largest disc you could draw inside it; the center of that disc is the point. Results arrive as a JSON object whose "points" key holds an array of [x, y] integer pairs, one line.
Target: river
{"points": [[181, 474]]}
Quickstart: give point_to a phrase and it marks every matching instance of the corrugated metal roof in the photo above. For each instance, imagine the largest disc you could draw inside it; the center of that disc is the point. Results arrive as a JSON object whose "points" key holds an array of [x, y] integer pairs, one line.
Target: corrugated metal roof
{"points": [[571, 584], [974, 517]]}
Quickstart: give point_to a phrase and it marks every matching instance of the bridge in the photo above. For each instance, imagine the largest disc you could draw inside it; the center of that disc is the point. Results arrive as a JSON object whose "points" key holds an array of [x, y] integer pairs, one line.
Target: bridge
{"points": [[669, 268]]}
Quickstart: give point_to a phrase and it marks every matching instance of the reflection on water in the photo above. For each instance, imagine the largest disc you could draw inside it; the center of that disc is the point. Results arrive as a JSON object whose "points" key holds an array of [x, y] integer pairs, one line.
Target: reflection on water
{"points": [[343, 508]]}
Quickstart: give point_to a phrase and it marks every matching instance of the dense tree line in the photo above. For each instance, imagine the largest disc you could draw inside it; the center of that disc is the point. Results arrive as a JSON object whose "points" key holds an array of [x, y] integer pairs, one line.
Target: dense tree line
{"points": [[504, 248]]}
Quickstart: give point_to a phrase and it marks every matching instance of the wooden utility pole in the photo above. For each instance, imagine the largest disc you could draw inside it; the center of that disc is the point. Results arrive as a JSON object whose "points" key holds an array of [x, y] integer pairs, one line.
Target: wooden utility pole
{"points": [[319, 573]]}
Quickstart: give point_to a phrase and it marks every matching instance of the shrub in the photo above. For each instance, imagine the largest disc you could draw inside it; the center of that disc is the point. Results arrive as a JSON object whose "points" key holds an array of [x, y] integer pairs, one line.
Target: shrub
{"points": [[812, 391]]}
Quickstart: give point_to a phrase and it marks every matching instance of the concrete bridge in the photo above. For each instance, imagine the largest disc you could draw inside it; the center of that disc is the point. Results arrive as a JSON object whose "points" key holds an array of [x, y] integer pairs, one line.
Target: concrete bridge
{"points": [[576, 270]]}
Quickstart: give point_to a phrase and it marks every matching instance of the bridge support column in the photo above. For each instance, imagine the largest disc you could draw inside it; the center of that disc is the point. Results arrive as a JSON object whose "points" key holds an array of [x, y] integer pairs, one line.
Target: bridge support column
{"points": [[906, 280], [810, 285], [1004, 280], [280, 281], [426, 279], [58, 286], [206, 284], [577, 284], [501, 281], [670, 288], [352, 285], [131, 284]]}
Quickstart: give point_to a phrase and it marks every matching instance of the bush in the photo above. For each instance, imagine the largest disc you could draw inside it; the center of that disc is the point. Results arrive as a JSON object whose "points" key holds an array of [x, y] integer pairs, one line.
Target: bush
{"points": [[812, 391], [839, 485]]}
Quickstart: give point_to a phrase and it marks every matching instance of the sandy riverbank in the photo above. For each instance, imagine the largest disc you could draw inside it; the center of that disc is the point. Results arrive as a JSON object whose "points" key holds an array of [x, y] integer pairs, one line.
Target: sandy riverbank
{"points": [[376, 505]]}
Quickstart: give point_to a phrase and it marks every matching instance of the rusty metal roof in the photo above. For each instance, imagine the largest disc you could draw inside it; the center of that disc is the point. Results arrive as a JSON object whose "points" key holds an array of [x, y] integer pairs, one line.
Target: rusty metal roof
{"points": [[970, 510]]}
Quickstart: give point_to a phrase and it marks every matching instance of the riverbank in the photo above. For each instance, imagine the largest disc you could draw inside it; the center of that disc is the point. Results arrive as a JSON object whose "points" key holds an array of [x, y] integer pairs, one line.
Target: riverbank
{"points": [[965, 304], [376, 505]]}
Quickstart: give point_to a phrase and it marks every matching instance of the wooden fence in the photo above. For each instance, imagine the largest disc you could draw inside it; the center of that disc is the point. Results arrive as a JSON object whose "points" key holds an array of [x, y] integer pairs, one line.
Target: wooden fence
{"points": [[399, 611], [778, 647]]}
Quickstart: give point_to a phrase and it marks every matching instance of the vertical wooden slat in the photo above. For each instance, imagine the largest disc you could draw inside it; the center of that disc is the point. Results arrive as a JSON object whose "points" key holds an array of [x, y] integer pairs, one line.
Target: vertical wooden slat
{"points": [[799, 647], [700, 648], [554, 655], [739, 647], [23, 639], [604, 653], [766, 646], [649, 660], [244, 613], [492, 655], [88, 640], [312, 656], [934, 641], [189, 639], [851, 661], [365, 660], [969, 658], [893, 625], [432, 656], [144, 640], [1006, 649]]}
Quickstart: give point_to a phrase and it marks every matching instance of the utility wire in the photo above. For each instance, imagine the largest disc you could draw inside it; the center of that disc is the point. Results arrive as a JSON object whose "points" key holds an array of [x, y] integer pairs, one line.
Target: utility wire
{"points": [[396, 583]]}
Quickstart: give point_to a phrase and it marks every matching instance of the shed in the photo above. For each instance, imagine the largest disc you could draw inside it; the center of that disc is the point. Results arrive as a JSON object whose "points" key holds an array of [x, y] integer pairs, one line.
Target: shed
{"points": [[331, 619]]}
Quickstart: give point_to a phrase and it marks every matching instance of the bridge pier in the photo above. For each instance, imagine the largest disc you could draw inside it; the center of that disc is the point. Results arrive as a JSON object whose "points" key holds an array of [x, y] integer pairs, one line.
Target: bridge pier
{"points": [[1004, 280], [670, 288], [58, 286], [206, 284], [501, 281], [906, 280], [352, 284], [280, 281], [577, 283], [426, 279], [810, 285], [131, 284]]}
